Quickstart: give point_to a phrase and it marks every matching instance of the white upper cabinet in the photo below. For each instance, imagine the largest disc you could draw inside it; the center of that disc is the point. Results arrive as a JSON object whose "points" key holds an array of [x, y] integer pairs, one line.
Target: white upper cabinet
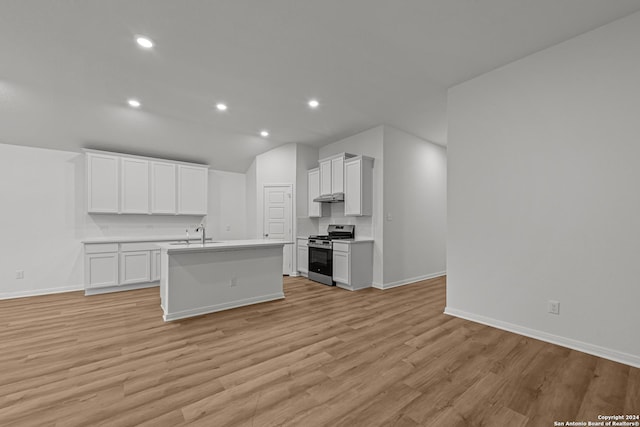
{"points": [[134, 192], [163, 188], [126, 184], [325, 177], [332, 174], [102, 183], [358, 186], [337, 175], [192, 190], [313, 190]]}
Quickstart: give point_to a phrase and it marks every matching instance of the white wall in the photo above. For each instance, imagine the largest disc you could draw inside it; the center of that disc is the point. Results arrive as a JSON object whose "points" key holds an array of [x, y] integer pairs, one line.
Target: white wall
{"points": [[44, 218], [42, 222], [251, 201], [368, 143], [227, 210], [415, 208], [543, 193], [277, 166]]}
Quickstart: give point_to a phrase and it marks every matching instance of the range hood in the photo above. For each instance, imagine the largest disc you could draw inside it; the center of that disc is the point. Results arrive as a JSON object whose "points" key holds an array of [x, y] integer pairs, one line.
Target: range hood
{"points": [[330, 198]]}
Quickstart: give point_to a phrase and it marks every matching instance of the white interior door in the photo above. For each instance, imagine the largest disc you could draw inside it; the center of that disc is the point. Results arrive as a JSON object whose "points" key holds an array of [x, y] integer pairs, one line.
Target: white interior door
{"points": [[278, 220]]}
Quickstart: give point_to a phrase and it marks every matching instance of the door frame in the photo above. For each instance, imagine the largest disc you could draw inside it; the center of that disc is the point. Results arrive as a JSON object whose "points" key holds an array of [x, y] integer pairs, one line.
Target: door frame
{"points": [[290, 187]]}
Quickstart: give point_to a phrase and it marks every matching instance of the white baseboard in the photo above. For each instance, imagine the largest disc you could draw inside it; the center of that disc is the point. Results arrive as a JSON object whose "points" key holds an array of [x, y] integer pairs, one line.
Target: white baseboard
{"points": [[351, 288], [596, 350], [220, 307], [110, 289], [36, 292], [408, 281]]}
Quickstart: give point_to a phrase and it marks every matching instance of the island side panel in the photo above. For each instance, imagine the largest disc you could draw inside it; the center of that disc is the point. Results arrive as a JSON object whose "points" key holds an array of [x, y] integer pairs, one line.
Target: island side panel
{"points": [[209, 281], [164, 275]]}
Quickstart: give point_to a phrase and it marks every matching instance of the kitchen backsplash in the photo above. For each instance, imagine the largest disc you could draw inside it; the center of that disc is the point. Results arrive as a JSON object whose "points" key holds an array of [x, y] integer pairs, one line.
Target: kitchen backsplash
{"points": [[364, 224], [139, 225]]}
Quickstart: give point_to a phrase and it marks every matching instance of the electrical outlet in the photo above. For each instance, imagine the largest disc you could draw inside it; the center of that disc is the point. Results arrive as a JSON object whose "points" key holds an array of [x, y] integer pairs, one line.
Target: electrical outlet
{"points": [[19, 274], [234, 281], [389, 217], [553, 307], [228, 228]]}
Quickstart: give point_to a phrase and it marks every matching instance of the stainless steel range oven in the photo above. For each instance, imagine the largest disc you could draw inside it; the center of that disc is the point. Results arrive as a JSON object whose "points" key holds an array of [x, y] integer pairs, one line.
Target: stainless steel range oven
{"points": [[320, 260], [321, 252]]}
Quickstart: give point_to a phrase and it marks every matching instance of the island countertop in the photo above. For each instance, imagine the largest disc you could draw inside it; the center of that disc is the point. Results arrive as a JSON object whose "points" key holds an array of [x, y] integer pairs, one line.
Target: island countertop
{"points": [[221, 245]]}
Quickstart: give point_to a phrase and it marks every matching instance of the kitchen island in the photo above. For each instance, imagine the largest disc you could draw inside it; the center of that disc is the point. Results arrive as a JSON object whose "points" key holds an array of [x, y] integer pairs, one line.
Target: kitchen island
{"points": [[201, 278]]}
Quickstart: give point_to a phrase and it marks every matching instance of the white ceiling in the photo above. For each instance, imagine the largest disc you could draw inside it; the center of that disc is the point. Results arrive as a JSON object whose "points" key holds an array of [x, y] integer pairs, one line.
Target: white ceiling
{"points": [[68, 66]]}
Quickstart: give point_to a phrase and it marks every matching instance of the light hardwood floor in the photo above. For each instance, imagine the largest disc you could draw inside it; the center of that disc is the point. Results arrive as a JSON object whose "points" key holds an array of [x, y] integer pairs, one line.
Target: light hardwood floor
{"points": [[321, 357]]}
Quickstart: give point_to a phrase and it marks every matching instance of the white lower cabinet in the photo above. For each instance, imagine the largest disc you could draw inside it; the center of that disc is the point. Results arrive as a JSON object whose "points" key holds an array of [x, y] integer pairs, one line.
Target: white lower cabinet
{"points": [[101, 265], [114, 265], [341, 267], [135, 267], [353, 264], [303, 256], [155, 265]]}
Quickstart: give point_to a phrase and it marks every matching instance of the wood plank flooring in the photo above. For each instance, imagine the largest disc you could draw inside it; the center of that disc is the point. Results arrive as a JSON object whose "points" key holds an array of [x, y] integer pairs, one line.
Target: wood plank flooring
{"points": [[321, 357]]}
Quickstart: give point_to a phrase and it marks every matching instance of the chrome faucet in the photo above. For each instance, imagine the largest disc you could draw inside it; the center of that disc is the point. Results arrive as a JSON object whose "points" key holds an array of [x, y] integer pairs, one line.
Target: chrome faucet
{"points": [[201, 228]]}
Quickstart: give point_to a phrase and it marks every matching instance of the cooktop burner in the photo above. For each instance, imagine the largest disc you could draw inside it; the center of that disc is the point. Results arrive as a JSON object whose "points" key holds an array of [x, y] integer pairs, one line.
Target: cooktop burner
{"points": [[336, 232], [320, 237]]}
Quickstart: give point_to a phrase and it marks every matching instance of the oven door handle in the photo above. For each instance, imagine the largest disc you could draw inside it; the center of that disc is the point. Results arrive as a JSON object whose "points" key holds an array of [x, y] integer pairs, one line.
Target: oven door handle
{"points": [[323, 247]]}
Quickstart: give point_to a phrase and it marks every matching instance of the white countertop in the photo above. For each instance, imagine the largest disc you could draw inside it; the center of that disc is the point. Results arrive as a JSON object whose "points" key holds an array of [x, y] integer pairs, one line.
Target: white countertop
{"points": [[350, 241], [167, 238], [222, 245]]}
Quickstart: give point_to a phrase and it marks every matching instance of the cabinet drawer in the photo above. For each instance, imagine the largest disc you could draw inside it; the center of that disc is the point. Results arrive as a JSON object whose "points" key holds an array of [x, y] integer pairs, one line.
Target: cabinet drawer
{"points": [[100, 248], [303, 242], [340, 247], [139, 246]]}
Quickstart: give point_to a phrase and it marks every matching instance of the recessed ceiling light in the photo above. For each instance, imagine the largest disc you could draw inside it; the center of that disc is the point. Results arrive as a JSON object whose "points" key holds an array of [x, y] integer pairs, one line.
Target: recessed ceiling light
{"points": [[221, 107], [144, 42], [134, 103], [313, 103], [264, 133]]}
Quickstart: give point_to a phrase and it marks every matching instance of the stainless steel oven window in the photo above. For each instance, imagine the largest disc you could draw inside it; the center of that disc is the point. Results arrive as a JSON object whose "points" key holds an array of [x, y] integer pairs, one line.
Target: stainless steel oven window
{"points": [[321, 261]]}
